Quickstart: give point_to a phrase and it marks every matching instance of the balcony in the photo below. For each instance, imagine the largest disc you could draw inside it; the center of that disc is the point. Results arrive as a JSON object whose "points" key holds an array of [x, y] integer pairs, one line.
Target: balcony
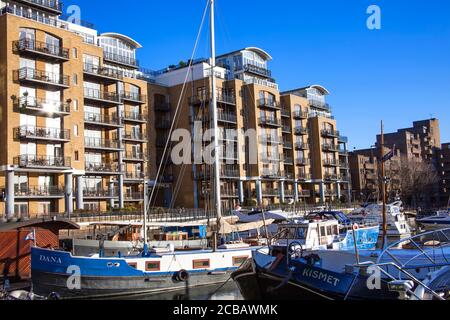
{"points": [[227, 117], [301, 162], [230, 172], [330, 163], [41, 49], [300, 131], [268, 139], [342, 139], [343, 152], [331, 177], [371, 176], [102, 144], [102, 97], [134, 196], [162, 106], [286, 129], [119, 59], [51, 6], [103, 168], [304, 194], [226, 99], [269, 104], [134, 156], [330, 133], [301, 146], [303, 176], [288, 160], [99, 193], [135, 117], [105, 120], [43, 162], [135, 136], [40, 133], [134, 97], [39, 77], [271, 174], [229, 193], [271, 192], [270, 158], [287, 144], [39, 192], [285, 113], [326, 147], [250, 68], [270, 122], [300, 115], [320, 105], [134, 176], [104, 73], [45, 107]]}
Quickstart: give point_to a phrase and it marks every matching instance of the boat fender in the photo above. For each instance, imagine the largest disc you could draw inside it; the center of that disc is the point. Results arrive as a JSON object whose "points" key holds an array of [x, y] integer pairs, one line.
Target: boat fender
{"points": [[182, 276], [355, 227]]}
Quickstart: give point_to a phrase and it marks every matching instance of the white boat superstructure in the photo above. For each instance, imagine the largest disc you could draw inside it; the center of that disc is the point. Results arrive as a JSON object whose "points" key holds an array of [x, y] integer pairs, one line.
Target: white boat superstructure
{"points": [[396, 221]]}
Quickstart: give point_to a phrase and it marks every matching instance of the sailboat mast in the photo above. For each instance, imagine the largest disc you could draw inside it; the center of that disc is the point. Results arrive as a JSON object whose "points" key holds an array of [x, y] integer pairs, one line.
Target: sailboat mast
{"points": [[383, 185], [215, 122]]}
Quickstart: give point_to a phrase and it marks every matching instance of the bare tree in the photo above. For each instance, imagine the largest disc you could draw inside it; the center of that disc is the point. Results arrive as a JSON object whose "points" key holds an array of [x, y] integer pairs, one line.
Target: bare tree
{"points": [[417, 179]]}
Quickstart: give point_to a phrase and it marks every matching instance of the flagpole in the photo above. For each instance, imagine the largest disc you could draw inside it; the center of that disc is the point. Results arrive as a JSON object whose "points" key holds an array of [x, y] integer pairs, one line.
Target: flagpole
{"points": [[383, 187]]}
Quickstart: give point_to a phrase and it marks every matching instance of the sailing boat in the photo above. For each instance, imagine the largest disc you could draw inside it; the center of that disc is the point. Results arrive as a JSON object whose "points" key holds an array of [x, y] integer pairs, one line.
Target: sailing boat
{"points": [[150, 272]]}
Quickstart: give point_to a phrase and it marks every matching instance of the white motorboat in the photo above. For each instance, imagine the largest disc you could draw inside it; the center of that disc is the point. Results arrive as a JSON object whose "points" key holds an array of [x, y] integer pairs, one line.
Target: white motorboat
{"points": [[396, 221], [438, 221]]}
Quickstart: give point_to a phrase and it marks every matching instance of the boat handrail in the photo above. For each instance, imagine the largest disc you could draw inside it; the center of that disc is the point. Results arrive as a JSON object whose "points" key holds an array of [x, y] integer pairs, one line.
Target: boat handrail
{"points": [[401, 270]]}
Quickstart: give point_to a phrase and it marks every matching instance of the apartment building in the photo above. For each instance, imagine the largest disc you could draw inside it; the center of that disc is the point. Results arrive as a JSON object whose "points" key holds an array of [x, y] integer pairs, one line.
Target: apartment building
{"points": [[73, 114], [421, 142], [444, 171], [287, 146], [365, 171]]}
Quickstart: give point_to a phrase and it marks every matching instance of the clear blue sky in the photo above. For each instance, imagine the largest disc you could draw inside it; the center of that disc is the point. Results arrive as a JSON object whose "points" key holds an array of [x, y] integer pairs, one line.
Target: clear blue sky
{"points": [[400, 73]]}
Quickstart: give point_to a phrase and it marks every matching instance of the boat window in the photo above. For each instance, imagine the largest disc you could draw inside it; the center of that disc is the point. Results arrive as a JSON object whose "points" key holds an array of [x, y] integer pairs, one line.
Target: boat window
{"points": [[329, 231], [152, 266], [201, 264], [239, 261], [133, 264], [335, 230], [323, 232], [301, 233]]}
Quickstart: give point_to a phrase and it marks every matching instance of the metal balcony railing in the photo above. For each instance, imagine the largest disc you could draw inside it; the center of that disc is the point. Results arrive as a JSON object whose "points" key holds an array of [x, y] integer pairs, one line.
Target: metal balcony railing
{"points": [[287, 144], [135, 116], [330, 133], [226, 98], [230, 171], [300, 115], [304, 176], [134, 196], [96, 118], [330, 147], [116, 58], [162, 106], [36, 161], [331, 177], [102, 71], [133, 96], [99, 143], [51, 78], [32, 132], [99, 193], [330, 163], [101, 95], [270, 139], [302, 162], [258, 70], [132, 155], [53, 5], [134, 175], [271, 192], [44, 105], [136, 136], [269, 158], [103, 167], [227, 117], [269, 121], [42, 48], [300, 130], [38, 191], [268, 103], [301, 146]]}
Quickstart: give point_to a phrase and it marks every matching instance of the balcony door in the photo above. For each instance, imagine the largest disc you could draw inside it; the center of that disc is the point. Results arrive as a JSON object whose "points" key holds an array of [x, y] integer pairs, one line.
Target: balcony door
{"points": [[53, 72], [53, 44], [27, 34], [136, 150], [21, 210]]}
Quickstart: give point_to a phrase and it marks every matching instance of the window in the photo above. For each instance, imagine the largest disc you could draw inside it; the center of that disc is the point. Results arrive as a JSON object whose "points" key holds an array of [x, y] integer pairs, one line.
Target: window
{"points": [[152, 266], [201, 264], [239, 261], [75, 53], [75, 130], [75, 104], [133, 264], [75, 79], [77, 156]]}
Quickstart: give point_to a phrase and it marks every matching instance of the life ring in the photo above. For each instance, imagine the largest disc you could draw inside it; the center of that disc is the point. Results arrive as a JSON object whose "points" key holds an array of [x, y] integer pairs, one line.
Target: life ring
{"points": [[355, 227], [182, 276]]}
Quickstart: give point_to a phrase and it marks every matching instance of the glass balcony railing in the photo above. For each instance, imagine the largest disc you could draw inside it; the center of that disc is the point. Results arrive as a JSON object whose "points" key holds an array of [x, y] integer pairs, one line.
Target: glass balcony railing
{"points": [[116, 58]]}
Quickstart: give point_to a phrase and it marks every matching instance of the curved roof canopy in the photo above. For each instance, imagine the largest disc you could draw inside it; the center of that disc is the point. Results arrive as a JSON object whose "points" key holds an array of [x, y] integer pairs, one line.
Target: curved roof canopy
{"points": [[122, 37], [261, 52], [322, 89]]}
